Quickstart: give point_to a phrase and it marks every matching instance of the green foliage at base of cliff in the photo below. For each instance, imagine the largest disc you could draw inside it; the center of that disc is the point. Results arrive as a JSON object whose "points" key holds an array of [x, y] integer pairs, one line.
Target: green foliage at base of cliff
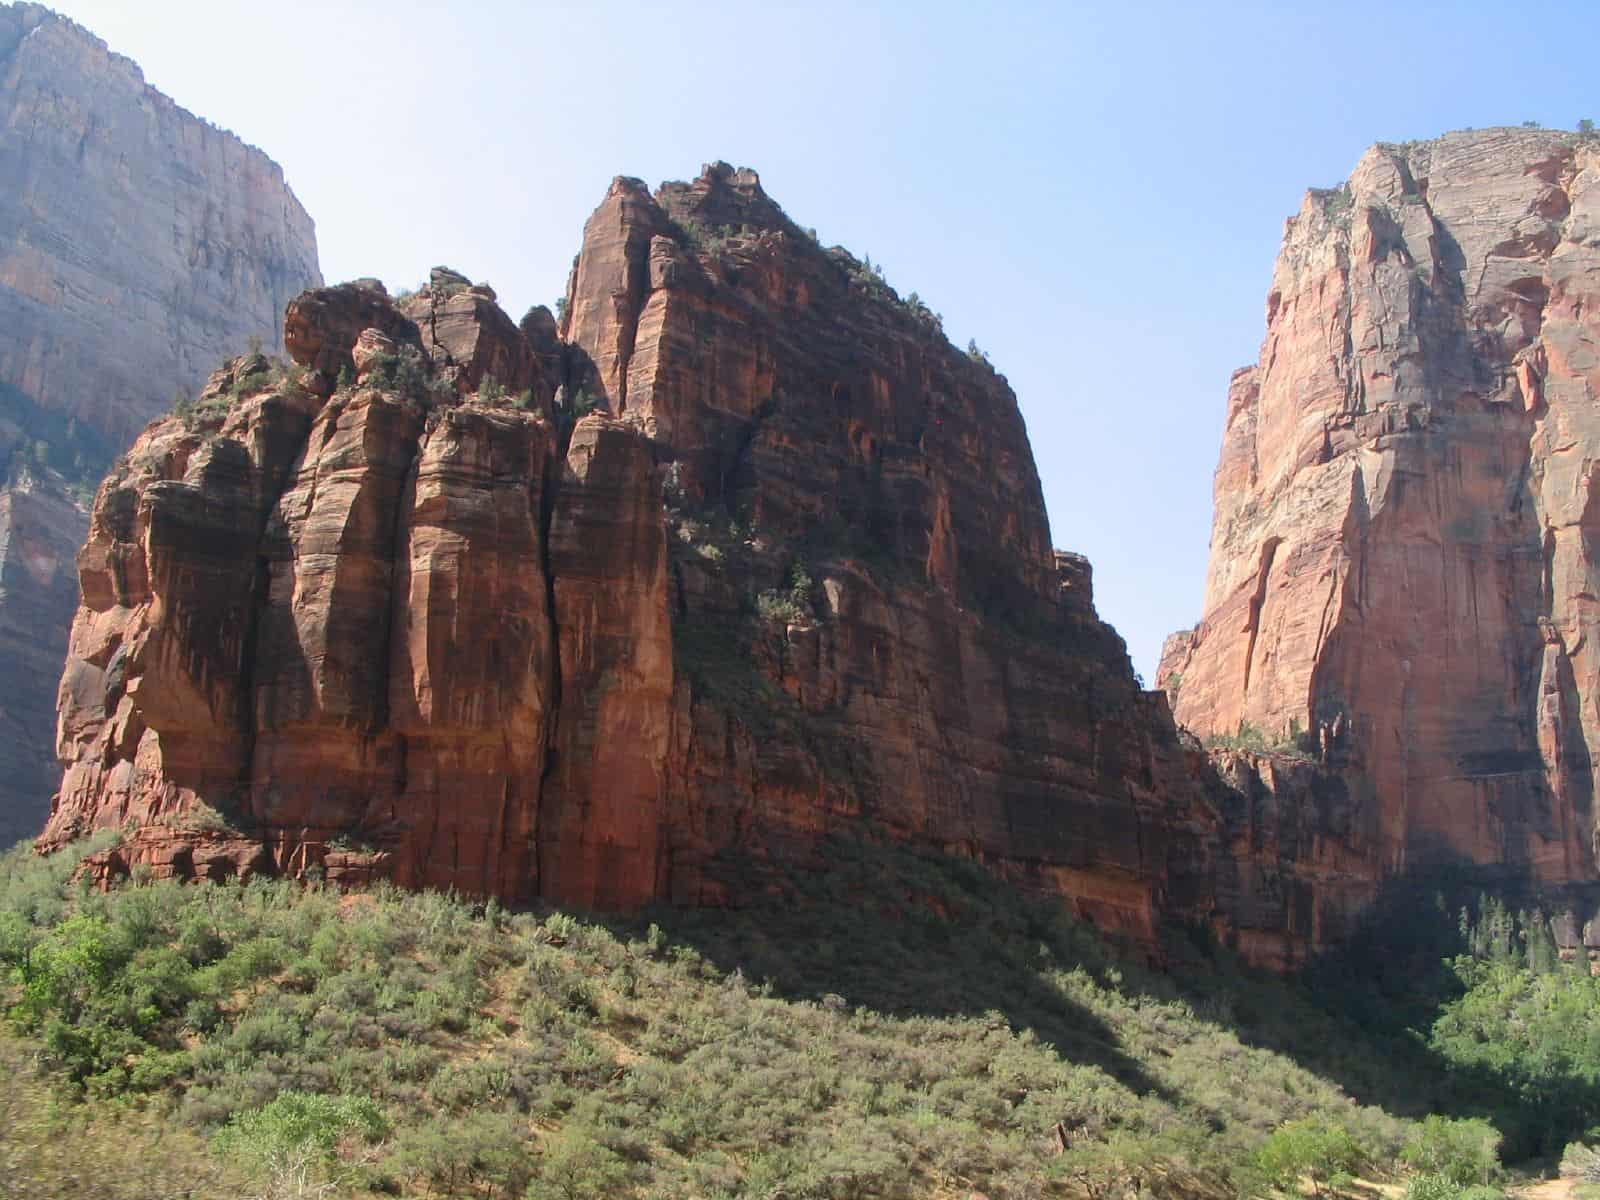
{"points": [[894, 1025], [1448, 976]]}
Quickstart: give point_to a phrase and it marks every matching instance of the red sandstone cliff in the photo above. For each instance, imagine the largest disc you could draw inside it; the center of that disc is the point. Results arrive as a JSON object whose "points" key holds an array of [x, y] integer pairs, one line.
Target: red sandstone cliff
{"points": [[402, 612], [406, 611], [1402, 562], [138, 245]]}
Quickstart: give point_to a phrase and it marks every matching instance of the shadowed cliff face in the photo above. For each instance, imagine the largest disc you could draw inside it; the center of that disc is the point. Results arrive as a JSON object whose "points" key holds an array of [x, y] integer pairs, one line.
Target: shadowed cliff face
{"points": [[746, 556], [917, 658], [386, 615], [1401, 559], [138, 245]]}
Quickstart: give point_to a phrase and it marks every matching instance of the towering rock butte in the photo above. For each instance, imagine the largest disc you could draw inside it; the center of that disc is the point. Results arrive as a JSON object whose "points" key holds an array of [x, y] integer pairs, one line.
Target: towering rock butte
{"points": [[404, 610], [1405, 556], [645, 604], [138, 245]]}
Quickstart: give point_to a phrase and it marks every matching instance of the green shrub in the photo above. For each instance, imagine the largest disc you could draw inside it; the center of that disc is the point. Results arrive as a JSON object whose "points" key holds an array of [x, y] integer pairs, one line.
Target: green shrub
{"points": [[1433, 1187], [290, 1142], [1581, 1161], [791, 606], [492, 392], [1442, 1187], [573, 1165], [1310, 1148], [405, 372], [1463, 1151]]}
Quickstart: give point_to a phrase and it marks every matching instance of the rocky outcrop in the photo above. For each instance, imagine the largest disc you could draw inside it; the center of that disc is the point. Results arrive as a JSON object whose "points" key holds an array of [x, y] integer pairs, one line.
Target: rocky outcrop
{"points": [[315, 630], [1402, 570], [649, 604], [138, 245], [393, 613]]}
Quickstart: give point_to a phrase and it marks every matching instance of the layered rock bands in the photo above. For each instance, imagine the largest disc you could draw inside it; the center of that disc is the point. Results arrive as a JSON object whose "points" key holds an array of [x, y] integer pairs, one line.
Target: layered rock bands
{"points": [[138, 246], [639, 607], [1404, 557]]}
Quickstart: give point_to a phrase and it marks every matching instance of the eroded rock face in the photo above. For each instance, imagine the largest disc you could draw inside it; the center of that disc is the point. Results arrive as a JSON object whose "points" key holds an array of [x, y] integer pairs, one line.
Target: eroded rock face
{"points": [[138, 245], [392, 615], [871, 631], [603, 836], [1402, 570], [790, 578], [318, 627]]}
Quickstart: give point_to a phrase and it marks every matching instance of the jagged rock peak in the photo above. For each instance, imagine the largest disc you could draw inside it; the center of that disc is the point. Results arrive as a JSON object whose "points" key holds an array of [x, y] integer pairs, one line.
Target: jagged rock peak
{"points": [[791, 576], [1402, 547]]}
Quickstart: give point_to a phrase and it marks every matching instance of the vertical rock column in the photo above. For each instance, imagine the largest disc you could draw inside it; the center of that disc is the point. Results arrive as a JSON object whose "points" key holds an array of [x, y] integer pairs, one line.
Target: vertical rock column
{"points": [[472, 657], [600, 837], [324, 761]]}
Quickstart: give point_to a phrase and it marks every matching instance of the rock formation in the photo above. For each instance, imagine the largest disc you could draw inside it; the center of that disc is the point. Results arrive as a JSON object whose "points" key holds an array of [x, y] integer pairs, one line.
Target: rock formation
{"points": [[741, 553], [1403, 566], [138, 245], [643, 607]]}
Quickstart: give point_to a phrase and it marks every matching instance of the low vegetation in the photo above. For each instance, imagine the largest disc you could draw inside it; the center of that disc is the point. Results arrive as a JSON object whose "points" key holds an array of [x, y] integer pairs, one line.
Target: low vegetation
{"points": [[896, 1025], [494, 394], [1251, 737], [254, 373], [404, 371]]}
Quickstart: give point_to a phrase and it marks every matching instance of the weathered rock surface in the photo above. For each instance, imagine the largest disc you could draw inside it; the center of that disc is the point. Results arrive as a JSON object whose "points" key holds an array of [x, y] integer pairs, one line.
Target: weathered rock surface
{"points": [[315, 631], [603, 834], [138, 245], [870, 630], [790, 578], [393, 615], [1402, 562], [38, 584]]}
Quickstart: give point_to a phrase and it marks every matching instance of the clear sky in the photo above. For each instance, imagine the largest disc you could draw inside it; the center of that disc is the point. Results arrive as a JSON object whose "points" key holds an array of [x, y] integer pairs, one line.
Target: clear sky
{"points": [[1093, 192]]}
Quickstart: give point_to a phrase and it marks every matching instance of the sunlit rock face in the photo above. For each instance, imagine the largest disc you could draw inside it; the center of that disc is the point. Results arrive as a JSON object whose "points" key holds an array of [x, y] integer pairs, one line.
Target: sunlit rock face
{"points": [[641, 605], [138, 245], [1403, 558], [648, 603]]}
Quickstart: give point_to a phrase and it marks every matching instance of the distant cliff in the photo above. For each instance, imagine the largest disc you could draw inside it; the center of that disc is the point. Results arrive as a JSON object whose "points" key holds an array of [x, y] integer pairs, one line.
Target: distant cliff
{"points": [[138, 245], [1405, 557]]}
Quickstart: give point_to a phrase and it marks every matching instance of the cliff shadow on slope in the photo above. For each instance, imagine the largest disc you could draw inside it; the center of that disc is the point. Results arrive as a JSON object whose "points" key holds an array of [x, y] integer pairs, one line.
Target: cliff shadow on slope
{"points": [[1454, 994]]}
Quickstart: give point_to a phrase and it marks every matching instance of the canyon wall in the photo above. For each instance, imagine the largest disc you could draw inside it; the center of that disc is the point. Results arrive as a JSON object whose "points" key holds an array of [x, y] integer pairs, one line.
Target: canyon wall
{"points": [[639, 606], [648, 602], [1404, 561], [138, 245]]}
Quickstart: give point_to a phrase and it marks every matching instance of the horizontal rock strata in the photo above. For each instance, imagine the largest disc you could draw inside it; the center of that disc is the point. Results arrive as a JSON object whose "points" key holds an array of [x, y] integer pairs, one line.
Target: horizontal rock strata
{"points": [[138, 245], [1402, 570]]}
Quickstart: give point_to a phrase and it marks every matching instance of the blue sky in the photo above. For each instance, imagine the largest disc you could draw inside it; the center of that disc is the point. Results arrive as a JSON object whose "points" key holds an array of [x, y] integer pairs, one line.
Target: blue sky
{"points": [[1093, 192]]}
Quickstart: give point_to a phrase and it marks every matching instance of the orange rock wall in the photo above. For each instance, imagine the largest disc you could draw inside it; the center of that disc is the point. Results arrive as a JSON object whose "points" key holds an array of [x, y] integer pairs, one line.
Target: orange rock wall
{"points": [[792, 579], [1400, 559]]}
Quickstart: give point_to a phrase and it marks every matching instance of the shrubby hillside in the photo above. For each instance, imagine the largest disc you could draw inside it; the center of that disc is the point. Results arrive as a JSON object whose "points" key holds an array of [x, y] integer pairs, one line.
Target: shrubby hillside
{"points": [[897, 1026]]}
